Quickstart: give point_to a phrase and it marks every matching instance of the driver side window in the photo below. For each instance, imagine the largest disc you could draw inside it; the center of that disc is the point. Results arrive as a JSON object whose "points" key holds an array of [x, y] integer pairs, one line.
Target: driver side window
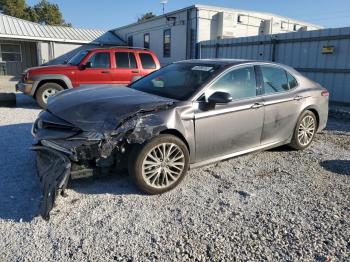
{"points": [[100, 60], [239, 83]]}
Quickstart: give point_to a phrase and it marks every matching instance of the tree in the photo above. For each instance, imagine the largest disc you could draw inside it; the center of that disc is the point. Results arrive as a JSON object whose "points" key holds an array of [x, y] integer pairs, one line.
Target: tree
{"points": [[44, 12], [146, 16], [16, 8], [31, 14], [49, 14]]}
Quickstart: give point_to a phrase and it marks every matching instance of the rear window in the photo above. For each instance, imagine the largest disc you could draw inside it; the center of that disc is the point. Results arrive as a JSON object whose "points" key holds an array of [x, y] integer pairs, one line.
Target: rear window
{"points": [[147, 61], [275, 79], [292, 81], [125, 60]]}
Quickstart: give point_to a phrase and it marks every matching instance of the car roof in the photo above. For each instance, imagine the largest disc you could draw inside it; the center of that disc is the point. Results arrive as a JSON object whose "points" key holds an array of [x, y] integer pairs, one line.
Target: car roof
{"points": [[120, 48], [224, 62], [218, 61]]}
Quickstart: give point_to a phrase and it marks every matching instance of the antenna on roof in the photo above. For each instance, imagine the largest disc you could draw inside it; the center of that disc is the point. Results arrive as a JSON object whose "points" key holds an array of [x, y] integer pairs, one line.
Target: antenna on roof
{"points": [[163, 3]]}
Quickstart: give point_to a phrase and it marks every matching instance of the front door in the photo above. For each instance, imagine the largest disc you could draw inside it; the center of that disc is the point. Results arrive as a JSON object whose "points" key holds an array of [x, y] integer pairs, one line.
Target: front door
{"points": [[98, 70], [233, 127]]}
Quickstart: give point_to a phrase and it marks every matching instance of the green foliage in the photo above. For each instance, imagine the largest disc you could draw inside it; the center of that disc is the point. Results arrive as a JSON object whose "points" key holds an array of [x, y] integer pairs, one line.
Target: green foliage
{"points": [[16, 8], [146, 16], [49, 14], [44, 12]]}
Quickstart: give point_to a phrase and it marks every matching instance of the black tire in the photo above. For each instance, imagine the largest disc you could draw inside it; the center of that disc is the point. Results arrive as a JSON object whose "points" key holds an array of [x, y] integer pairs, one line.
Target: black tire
{"points": [[140, 152], [295, 143], [39, 96]]}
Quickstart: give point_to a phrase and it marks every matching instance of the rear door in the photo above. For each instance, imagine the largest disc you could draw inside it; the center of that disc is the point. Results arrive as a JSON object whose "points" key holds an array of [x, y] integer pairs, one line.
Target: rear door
{"points": [[282, 104], [127, 68], [99, 72]]}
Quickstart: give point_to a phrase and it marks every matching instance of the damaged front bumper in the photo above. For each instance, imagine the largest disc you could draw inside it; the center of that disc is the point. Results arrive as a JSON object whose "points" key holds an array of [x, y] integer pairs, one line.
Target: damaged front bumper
{"points": [[64, 153], [53, 169]]}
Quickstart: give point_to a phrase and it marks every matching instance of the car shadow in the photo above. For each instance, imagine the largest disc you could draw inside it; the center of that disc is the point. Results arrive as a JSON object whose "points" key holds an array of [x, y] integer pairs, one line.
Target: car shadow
{"points": [[116, 184], [341, 167], [283, 148], [27, 102]]}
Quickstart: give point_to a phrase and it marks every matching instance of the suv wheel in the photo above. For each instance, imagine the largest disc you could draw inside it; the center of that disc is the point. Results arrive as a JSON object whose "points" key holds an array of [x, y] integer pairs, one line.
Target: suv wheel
{"points": [[45, 91], [160, 164], [305, 131]]}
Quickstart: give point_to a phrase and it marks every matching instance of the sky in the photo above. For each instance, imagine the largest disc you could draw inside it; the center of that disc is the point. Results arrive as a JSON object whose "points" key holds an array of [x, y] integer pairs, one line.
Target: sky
{"points": [[109, 14]]}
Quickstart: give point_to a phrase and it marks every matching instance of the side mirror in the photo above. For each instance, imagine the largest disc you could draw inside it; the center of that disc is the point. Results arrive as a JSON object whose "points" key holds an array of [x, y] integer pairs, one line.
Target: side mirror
{"points": [[220, 98], [87, 65]]}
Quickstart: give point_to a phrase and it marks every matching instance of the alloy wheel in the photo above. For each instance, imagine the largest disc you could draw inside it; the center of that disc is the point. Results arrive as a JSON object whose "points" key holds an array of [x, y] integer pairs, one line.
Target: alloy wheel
{"points": [[163, 165], [306, 130]]}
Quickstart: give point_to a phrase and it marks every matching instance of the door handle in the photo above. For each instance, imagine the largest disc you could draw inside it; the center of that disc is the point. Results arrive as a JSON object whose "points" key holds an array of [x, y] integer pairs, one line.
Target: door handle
{"points": [[257, 105], [298, 98], [105, 72], [135, 72]]}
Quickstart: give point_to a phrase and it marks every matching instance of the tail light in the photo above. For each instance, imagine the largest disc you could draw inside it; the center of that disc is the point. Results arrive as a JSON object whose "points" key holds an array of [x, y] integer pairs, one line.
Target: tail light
{"points": [[325, 93]]}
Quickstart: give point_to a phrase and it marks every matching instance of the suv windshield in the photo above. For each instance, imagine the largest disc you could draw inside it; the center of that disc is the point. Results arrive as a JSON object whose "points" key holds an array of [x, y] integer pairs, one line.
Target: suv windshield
{"points": [[177, 81], [76, 59]]}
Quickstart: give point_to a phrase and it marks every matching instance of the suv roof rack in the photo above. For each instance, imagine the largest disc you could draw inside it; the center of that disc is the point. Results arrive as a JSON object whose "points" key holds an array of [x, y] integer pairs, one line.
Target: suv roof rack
{"points": [[122, 46]]}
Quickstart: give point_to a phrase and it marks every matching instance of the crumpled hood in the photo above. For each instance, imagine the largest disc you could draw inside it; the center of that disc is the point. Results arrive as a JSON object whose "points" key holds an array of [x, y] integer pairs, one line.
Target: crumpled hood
{"points": [[103, 108]]}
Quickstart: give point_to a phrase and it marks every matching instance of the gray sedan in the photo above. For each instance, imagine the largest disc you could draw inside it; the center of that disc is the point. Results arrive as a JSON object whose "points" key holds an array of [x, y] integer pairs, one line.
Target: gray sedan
{"points": [[185, 115]]}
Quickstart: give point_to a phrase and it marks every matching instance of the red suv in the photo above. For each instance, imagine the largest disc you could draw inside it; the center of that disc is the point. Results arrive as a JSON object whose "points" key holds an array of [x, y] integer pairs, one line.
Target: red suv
{"points": [[117, 65]]}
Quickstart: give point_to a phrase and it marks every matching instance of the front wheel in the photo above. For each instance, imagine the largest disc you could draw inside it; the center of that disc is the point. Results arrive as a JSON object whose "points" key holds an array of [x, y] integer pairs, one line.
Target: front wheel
{"points": [[305, 131], [45, 91], [160, 164]]}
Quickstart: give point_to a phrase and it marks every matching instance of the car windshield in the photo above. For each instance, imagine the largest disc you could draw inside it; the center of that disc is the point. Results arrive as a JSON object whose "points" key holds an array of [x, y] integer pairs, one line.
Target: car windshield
{"points": [[177, 81], [76, 59]]}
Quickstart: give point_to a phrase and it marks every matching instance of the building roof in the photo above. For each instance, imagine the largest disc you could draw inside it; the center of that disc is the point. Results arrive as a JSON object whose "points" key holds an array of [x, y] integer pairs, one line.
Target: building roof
{"points": [[227, 9], [218, 9], [15, 28]]}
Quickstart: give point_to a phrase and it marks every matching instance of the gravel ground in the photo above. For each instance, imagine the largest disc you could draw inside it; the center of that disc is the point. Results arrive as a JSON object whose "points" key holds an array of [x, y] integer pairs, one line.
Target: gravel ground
{"points": [[277, 205]]}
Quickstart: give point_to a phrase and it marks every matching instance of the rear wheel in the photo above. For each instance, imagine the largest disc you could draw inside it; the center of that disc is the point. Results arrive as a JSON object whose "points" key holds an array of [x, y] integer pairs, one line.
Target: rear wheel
{"points": [[45, 91], [305, 131], [160, 164]]}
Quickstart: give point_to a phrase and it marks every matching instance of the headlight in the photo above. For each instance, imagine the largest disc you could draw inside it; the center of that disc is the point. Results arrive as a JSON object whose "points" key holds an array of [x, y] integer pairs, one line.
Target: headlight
{"points": [[27, 78], [26, 75], [39, 124]]}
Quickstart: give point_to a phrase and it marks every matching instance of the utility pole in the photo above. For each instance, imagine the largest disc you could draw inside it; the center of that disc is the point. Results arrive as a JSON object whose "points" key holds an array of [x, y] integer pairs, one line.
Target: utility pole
{"points": [[163, 3]]}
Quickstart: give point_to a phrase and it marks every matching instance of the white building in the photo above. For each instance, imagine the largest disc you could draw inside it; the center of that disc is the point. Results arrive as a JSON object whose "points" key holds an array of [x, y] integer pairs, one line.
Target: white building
{"points": [[174, 36]]}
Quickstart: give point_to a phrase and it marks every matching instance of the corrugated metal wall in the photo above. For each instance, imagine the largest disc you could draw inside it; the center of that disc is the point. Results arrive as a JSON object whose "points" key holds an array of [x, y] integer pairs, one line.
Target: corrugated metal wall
{"points": [[302, 50]]}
